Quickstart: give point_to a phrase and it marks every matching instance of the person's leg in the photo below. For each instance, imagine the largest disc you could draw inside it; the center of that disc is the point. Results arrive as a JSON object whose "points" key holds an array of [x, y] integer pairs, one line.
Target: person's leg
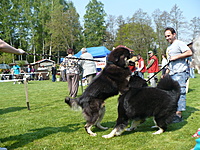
{"points": [[52, 78], [69, 80], [181, 78], [75, 84], [152, 81]]}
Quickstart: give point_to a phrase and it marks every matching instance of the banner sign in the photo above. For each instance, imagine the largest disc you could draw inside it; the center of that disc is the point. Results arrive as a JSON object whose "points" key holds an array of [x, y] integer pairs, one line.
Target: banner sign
{"points": [[100, 64]]}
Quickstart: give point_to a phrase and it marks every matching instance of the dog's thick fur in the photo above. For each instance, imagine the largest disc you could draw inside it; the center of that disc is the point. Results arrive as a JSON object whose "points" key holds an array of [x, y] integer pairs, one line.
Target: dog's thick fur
{"points": [[142, 101], [196, 48], [113, 79]]}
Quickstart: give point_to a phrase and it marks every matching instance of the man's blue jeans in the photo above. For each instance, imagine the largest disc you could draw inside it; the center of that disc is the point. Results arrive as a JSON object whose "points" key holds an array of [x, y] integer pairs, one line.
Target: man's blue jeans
{"points": [[181, 78], [53, 77]]}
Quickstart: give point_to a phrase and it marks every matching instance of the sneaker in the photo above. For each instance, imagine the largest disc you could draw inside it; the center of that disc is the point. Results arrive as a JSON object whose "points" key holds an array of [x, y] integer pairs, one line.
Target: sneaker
{"points": [[177, 119], [196, 134]]}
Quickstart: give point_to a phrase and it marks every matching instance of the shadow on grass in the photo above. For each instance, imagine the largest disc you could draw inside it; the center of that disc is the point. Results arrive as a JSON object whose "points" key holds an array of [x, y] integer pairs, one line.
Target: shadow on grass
{"points": [[109, 124], [11, 109], [36, 134], [146, 126], [190, 90]]}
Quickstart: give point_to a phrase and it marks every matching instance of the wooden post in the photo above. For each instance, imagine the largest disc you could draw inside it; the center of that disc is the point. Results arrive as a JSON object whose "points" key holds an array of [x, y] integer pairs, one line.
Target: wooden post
{"points": [[26, 92]]}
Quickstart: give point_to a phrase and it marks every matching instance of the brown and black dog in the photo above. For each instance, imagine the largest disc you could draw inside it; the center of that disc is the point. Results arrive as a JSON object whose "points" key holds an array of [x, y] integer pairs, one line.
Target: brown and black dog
{"points": [[112, 80]]}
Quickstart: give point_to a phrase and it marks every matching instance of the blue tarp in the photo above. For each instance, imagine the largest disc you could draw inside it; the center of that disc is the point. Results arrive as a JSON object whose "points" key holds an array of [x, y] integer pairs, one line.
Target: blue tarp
{"points": [[97, 52]]}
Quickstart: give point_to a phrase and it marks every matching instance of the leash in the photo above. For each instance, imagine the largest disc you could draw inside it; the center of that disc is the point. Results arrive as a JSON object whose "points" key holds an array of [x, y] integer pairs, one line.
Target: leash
{"points": [[61, 56], [158, 72]]}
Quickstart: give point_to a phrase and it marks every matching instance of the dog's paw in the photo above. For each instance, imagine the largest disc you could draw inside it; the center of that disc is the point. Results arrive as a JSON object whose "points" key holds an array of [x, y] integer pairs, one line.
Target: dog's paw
{"points": [[158, 132], [93, 134], [129, 129], [107, 136]]}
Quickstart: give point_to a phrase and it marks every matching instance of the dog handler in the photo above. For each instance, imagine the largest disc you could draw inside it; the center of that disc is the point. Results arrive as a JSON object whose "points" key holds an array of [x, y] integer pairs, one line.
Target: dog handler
{"points": [[152, 67], [178, 68]]}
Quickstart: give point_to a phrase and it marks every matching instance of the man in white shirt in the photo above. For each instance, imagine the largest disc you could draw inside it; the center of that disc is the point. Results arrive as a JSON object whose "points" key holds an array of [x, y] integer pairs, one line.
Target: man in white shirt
{"points": [[178, 68]]}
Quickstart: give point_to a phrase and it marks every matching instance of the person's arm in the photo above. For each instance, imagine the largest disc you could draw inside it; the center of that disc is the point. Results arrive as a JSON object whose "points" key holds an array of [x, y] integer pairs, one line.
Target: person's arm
{"points": [[186, 54], [20, 70], [4, 47], [150, 63]]}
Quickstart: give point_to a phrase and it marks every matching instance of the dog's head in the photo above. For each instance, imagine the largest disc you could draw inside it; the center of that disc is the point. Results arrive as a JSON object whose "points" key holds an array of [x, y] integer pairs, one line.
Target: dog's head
{"points": [[119, 57], [137, 82]]}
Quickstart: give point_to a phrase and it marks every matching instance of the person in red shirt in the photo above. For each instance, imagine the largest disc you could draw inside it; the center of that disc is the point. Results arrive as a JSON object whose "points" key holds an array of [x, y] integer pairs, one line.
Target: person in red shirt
{"points": [[152, 67], [141, 66], [132, 66]]}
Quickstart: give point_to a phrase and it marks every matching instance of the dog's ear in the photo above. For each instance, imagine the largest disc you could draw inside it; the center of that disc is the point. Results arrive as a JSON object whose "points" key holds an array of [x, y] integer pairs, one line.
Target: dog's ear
{"points": [[119, 57]]}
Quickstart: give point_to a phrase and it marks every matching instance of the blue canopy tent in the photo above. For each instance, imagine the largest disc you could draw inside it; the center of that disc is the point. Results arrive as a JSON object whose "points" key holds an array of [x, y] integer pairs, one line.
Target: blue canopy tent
{"points": [[97, 52]]}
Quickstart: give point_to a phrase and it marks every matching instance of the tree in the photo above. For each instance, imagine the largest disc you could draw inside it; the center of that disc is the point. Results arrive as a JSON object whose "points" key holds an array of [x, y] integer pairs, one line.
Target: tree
{"points": [[110, 31], [195, 27], [15, 23], [94, 24], [6, 58], [177, 19], [64, 28], [137, 33], [161, 20]]}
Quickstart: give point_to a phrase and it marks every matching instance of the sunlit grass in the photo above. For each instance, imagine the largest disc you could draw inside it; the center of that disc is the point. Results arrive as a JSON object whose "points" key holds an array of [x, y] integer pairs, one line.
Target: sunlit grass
{"points": [[52, 125]]}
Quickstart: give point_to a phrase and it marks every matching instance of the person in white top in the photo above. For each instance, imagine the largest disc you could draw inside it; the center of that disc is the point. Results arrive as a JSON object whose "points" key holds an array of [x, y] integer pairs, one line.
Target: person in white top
{"points": [[89, 67], [164, 63], [178, 67]]}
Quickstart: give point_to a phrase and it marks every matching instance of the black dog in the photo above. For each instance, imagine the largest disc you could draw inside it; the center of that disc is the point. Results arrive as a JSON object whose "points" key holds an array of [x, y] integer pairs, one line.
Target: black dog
{"points": [[113, 79], [142, 101]]}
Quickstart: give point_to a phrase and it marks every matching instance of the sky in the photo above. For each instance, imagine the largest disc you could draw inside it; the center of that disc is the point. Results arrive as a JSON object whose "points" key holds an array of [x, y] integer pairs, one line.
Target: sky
{"points": [[126, 8]]}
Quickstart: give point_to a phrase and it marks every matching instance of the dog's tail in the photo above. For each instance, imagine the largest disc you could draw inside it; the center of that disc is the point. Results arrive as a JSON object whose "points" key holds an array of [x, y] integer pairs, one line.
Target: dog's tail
{"points": [[73, 103], [168, 84]]}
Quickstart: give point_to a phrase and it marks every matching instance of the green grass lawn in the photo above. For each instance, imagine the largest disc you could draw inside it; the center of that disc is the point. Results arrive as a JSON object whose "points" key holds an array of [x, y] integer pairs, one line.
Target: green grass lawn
{"points": [[52, 125]]}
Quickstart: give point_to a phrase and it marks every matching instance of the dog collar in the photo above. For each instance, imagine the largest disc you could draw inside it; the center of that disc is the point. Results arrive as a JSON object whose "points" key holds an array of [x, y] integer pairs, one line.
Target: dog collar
{"points": [[109, 62]]}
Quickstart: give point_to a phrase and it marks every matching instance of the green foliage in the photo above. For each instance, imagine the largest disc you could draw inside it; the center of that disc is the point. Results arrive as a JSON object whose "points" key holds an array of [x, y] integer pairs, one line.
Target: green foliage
{"points": [[21, 63], [137, 34], [52, 26], [94, 24], [6, 58], [51, 124], [40, 26]]}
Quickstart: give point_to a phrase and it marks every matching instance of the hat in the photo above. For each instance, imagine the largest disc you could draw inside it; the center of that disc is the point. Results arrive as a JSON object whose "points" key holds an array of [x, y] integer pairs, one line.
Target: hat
{"points": [[83, 50], [150, 52]]}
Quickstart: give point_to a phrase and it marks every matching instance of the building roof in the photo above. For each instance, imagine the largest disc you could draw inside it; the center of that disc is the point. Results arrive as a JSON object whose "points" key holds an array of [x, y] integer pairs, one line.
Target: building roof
{"points": [[42, 60]]}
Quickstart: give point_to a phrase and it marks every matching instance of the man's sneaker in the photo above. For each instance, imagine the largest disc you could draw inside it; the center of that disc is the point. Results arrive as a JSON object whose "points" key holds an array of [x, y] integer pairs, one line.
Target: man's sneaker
{"points": [[177, 119], [196, 134]]}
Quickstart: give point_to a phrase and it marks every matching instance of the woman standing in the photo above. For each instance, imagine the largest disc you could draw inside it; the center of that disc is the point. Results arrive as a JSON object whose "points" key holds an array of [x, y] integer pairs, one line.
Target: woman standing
{"points": [[72, 73], [141, 66]]}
